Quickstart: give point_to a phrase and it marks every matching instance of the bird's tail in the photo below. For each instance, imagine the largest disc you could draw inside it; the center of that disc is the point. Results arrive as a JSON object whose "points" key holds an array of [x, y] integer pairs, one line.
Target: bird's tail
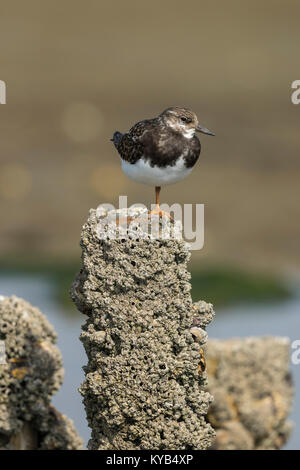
{"points": [[116, 138]]}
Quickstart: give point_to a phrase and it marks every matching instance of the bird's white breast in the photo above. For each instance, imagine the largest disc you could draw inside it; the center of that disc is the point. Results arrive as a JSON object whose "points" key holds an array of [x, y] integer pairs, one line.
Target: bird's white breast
{"points": [[143, 172]]}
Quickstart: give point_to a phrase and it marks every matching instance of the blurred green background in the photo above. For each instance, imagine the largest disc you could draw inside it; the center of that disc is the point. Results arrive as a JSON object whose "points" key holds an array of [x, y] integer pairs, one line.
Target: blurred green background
{"points": [[77, 71]]}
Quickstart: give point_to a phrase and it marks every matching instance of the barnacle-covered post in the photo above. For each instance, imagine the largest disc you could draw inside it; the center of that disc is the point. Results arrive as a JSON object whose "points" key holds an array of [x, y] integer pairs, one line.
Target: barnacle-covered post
{"points": [[144, 338], [250, 380], [30, 373]]}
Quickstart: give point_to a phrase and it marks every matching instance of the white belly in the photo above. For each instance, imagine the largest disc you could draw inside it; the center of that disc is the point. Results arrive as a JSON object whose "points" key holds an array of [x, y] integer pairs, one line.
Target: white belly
{"points": [[142, 172]]}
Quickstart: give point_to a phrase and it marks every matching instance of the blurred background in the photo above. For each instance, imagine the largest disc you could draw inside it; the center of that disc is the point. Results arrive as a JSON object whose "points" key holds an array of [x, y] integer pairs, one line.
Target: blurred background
{"points": [[77, 71]]}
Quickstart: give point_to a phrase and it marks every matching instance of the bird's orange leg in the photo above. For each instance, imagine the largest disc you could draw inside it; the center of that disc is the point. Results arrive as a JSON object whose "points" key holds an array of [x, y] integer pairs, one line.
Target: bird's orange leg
{"points": [[157, 210]]}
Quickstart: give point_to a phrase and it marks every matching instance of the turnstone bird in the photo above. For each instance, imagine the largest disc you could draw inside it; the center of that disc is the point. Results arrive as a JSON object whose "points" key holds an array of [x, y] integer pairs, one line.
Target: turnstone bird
{"points": [[162, 150]]}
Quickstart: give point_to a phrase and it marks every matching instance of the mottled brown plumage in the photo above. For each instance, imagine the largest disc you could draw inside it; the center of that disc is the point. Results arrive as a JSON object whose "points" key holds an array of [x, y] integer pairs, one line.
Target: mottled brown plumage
{"points": [[162, 150], [161, 140]]}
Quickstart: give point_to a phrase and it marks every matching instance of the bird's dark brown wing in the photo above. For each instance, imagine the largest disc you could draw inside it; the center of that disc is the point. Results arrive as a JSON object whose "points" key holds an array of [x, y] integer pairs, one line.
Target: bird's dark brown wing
{"points": [[131, 145]]}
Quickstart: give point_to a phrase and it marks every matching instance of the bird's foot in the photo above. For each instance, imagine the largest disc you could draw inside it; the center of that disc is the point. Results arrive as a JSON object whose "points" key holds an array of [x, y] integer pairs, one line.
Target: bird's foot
{"points": [[160, 213], [124, 221]]}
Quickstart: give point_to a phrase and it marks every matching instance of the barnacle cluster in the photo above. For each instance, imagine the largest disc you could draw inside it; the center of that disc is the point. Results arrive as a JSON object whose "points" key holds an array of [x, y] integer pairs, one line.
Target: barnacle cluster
{"points": [[144, 338], [30, 373]]}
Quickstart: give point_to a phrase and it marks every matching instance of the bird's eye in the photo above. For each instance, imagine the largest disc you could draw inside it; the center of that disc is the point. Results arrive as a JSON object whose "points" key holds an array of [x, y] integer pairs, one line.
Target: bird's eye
{"points": [[184, 119]]}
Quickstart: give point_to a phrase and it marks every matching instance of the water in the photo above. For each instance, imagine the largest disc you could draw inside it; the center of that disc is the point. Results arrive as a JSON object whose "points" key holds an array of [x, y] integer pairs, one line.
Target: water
{"points": [[280, 319]]}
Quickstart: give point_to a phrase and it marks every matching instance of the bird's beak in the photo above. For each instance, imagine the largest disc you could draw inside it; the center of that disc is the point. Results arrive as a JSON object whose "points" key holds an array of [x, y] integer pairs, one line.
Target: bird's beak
{"points": [[203, 130]]}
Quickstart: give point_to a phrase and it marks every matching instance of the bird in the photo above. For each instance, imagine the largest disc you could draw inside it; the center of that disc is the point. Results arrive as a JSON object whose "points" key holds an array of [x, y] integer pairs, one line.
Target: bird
{"points": [[162, 150]]}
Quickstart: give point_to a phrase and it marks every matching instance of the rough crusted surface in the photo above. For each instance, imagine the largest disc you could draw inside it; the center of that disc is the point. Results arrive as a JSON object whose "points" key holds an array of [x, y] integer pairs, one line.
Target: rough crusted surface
{"points": [[145, 378], [31, 374], [251, 384]]}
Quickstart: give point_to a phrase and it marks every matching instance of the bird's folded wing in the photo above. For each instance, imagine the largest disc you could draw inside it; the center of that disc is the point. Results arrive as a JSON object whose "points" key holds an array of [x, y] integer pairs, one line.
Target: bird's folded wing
{"points": [[130, 149], [132, 144]]}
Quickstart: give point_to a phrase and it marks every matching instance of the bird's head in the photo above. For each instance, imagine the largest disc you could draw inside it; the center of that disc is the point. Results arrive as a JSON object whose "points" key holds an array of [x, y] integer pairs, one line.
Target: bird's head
{"points": [[183, 120]]}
